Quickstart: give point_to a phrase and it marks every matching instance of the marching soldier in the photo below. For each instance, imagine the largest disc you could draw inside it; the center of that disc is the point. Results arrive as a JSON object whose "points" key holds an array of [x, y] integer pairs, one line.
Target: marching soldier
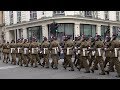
{"points": [[69, 46], [114, 48], [84, 54], [55, 48], [19, 51], [63, 44], [13, 52], [39, 53], [5, 51], [107, 50], [78, 51], [92, 51], [34, 52], [99, 55], [45, 51], [0, 51], [75, 50], [26, 49]]}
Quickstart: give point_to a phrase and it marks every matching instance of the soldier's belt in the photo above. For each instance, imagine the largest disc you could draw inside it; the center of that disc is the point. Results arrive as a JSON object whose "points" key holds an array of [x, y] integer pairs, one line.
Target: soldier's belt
{"points": [[44, 49], [116, 49], [99, 51], [68, 51], [33, 50], [55, 48], [93, 53], [18, 50], [84, 49], [25, 50], [12, 49]]}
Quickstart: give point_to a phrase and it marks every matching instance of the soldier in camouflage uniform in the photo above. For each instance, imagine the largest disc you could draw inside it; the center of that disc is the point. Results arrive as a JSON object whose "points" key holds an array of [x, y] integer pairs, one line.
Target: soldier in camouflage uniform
{"points": [[55, 48], [63, 44], [75, 50], [5, 51], [99, 46], [107, 50], [26, 48], [19, 51], [84, 54], [13, 52], [114, 48], [69, 46], [45, 51], [91, 51], [34, 52], [38, 54]]}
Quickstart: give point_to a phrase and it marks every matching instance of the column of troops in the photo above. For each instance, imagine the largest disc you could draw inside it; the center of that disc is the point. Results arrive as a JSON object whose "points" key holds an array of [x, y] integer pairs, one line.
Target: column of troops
{"points": [[88, 53]]}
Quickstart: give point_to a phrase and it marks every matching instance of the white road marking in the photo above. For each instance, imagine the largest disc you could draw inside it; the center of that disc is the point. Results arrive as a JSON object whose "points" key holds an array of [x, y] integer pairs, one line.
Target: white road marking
{"points": [[7, 67]]}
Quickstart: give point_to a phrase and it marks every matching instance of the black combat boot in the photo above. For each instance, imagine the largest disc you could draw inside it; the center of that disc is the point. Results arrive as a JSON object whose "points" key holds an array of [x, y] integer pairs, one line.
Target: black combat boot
{"points": [[71, 70], [87, 72], [35, 66], [55, 68], [102, 73], [47, 67], [107, 72], [92, 70], [118, 76]]}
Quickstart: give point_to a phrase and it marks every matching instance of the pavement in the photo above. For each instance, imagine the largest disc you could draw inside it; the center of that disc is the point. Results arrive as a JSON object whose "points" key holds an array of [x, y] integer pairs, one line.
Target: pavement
{"points": [[8, 71]]}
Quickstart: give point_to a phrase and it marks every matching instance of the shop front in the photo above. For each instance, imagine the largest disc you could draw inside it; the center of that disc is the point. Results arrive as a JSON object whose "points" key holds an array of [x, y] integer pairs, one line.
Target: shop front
{"points": [[63, 30], [35, 32]]}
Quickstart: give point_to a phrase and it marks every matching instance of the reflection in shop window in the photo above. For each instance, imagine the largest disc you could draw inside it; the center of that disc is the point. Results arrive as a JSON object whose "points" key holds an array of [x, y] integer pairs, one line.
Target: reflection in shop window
{"points": [[64, 29], [35, 32], [103, 31], [88, 30], [116, 30]]}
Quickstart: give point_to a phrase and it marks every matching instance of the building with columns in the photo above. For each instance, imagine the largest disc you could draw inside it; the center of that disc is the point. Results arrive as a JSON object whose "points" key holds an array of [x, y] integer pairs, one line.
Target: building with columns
{"points": [[2, 19], [28, 24]]}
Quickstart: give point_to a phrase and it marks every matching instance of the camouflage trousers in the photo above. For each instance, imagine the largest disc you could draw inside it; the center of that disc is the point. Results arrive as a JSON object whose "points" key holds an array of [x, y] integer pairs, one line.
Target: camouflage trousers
{"points": [[13, 56], [6, 57]]}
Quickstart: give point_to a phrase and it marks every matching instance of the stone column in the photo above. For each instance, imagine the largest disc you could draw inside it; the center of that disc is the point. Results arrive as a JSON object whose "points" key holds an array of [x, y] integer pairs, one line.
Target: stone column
{"points": [[98, 29], [45, 30], [76, 29], [111, 30], [24, 33], [15, 35], [18, 34], [7, 36]]}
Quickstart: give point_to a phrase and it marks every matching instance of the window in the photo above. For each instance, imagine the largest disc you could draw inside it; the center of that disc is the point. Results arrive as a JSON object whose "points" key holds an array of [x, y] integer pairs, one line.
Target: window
{"points": [[116, 30], [33, 15], [95, 14], [43, 13], [18, 16], [88, 30], [106, 15], [35, 32], [117, 15], [88, 13], [58, 12], [103, 31], [63, 29], [11, 17]]}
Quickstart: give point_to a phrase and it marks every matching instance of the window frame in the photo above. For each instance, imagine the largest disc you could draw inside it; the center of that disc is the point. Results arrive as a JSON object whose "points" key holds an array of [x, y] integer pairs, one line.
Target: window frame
{"points": [[33, 15], [11, 17], [106, 13], [18, 16], [117, 16]]}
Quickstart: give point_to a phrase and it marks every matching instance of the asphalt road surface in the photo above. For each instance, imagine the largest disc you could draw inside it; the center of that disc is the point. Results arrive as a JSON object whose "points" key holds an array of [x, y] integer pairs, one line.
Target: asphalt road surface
{"points": [[8, 71]]}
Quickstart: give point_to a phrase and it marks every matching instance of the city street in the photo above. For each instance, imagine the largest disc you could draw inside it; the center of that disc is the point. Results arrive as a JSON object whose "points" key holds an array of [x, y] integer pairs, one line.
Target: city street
{"points": [[8, 71]]}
